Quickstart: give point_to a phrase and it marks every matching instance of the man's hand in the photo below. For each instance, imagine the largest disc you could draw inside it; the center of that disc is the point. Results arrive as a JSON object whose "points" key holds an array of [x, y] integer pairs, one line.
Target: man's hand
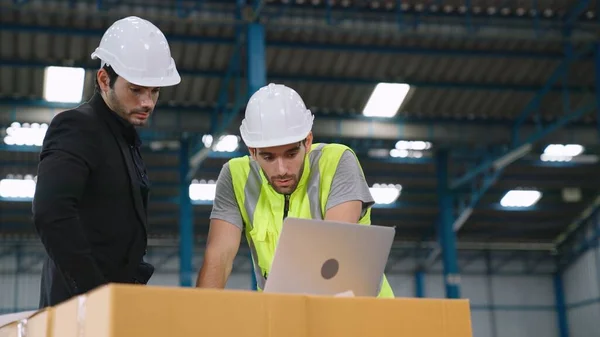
{"points": [[221, 248]]}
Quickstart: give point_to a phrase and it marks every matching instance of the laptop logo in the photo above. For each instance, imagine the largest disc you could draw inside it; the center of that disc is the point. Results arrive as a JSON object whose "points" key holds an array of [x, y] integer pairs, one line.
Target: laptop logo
{"points": [[330, 268]]}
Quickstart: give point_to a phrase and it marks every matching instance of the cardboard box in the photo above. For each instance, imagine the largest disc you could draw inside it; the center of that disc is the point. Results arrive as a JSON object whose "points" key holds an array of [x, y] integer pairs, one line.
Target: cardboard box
{"points": [[130, 310], [27, 324]]}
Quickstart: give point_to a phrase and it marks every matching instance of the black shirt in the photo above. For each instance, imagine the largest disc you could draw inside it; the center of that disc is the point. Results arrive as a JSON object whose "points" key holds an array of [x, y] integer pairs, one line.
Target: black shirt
{"points": [[135, 143]]}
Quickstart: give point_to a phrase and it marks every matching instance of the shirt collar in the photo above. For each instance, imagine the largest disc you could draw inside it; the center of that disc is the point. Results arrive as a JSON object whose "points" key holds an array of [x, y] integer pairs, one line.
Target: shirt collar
{"points": [[127, 129]]}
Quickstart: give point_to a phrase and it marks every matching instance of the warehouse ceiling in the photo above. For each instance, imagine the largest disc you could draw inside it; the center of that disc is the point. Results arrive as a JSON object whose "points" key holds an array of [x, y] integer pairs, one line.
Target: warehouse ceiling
{"points": [[478, 76]]}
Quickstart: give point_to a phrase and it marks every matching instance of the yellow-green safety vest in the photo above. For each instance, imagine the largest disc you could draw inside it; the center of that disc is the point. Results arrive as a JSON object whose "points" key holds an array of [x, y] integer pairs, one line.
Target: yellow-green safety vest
{"points": [[262, 208]]}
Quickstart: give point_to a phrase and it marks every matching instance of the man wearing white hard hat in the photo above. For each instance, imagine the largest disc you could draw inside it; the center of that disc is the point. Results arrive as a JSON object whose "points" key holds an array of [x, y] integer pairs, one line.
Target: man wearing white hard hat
{"points": [[286, 174], [91, 198]]}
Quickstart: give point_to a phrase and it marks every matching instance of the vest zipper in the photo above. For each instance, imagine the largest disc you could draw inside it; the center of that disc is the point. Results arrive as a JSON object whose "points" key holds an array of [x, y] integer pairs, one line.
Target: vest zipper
{"points": [[286, 206], [286, 209]]}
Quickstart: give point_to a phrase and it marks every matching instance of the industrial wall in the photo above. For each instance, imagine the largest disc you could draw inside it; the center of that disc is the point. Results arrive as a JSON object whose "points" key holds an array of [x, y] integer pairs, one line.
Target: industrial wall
{"points": [[512, 304], [582, 294]]}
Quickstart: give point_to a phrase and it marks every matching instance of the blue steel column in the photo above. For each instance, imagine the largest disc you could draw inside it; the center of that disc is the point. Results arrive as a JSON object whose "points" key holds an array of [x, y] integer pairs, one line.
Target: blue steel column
{"points": [[257, 72], [420, 283], [561, 307], [186, 229], [257, 75], [447, 236]]}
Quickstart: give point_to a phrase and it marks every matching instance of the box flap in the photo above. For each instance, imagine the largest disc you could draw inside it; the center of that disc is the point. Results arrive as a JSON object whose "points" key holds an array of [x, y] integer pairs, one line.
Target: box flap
{"points": [[16, 316]]}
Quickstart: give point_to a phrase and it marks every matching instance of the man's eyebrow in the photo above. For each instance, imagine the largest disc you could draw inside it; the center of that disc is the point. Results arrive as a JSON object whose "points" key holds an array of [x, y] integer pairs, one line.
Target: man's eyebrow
{"points": [[293, 149], [263, 154]]}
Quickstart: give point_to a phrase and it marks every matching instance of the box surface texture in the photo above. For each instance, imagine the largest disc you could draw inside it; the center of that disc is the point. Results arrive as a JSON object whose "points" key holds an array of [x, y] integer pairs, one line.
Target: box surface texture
{"points": [[130, 310], [27, 324]]}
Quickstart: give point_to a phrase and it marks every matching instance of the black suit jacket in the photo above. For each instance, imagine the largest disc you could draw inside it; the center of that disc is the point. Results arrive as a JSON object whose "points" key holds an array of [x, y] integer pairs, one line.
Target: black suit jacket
{"points": [[87, 208]]}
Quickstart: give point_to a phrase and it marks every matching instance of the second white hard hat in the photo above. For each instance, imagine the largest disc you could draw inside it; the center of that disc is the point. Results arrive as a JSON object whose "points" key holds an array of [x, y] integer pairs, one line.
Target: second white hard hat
{"points": [[139, 52], [275, 115]]}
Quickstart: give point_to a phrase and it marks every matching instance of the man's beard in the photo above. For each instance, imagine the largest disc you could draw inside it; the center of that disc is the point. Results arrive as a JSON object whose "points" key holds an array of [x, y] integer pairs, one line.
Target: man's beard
{"points": [[291, 188], [118, 108]]}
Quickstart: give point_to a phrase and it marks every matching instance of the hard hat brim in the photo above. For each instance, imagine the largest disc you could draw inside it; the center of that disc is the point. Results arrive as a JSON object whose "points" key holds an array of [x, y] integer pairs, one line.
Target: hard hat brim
{"points": [[274, 142], [156, 82], [167, 81]]}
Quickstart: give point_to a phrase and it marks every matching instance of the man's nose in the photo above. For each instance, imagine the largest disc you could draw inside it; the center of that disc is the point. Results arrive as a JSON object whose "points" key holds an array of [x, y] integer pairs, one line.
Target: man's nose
{"points": [[281, 167], [146, 101]]}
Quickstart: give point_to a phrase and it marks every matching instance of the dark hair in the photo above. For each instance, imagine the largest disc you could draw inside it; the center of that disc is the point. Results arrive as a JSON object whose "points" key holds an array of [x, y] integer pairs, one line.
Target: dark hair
{"points": [[112, 77]]}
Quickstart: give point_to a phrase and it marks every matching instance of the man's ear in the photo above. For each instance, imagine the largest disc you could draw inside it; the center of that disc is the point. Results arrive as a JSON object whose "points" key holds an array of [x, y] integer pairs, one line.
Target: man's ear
{"points": [[252, 151], [309, 141], [103, 80]]}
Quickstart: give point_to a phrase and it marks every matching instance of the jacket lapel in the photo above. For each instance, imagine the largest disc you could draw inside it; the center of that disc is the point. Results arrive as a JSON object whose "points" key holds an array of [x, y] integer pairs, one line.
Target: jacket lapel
{"points": [[127, 158], [135, 190]]}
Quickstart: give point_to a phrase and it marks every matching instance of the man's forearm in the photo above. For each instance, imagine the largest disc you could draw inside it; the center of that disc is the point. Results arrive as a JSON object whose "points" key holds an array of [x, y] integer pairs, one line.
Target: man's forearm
{"points": [[213, 274]]}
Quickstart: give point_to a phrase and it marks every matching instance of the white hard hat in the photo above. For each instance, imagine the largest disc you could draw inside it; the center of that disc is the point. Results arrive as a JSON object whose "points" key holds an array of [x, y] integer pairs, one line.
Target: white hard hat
{"points": [[139, 52], [275, 115]]}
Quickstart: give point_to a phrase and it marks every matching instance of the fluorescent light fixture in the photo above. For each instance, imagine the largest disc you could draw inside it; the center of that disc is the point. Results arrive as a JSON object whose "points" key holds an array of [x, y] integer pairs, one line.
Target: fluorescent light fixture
{"points": [[202, 190], [384, 193], [520, 198], [395, 153], [386, 99], [570, 150], [207, 140], [410, 149], [63, 84], [560, 152], [413, 145], [17, 188], [226, 143], [25, 134]]}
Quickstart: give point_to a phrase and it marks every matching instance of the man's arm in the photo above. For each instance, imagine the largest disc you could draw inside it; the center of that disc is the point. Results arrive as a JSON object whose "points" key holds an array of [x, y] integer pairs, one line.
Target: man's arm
{"points": [[221, 248], [224, 235], [69, 153], [350, 196]]}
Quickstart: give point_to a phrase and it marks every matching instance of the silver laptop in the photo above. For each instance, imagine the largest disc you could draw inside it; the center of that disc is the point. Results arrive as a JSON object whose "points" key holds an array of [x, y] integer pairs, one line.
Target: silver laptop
{"points": [[327, 258]]}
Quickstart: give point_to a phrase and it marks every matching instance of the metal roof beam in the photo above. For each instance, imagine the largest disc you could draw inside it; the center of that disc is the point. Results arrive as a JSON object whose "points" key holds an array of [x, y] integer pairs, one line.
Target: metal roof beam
{"points": [[579, 222], [172, 240], [169, 120], [323, 79], [573, 15], [491, 168], [581, 235], [221, 117], [321, 113], [559, 74], [315, 46], [450, 25], [484, 175], [520, 147]]}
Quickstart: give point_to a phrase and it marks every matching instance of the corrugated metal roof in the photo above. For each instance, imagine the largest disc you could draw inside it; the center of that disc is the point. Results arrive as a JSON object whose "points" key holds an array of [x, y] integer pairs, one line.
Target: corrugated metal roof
{"points": [[452, 84], [335, 71]]}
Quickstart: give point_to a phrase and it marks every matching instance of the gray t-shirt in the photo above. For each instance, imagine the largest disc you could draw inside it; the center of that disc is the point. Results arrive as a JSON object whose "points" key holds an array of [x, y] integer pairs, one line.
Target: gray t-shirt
{"points": [[348, 184]]}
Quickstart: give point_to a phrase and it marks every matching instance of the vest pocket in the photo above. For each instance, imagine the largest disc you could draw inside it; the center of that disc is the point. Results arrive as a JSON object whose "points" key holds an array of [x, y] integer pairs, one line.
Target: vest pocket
{"points": [[265, 241]]}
